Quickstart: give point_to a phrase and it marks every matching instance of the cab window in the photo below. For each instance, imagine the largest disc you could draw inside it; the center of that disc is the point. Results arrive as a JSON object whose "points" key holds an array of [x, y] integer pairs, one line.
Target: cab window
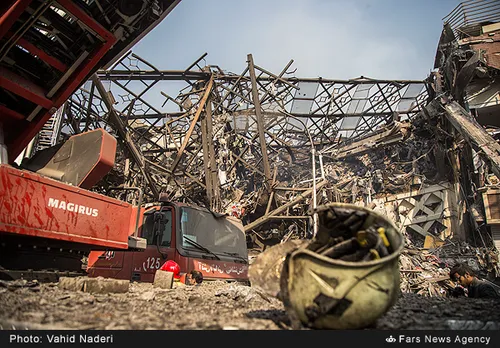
{"points": [[219, 235], [148, 229]]}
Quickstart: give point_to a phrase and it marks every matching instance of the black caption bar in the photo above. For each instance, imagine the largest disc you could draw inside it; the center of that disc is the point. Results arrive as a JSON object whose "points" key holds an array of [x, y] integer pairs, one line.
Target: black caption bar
{"points": [[354, 338]]}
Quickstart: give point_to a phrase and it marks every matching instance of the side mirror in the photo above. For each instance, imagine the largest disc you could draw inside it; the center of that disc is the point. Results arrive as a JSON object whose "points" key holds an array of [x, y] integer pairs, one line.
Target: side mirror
{"points": [[158, 216], [160, 220]]}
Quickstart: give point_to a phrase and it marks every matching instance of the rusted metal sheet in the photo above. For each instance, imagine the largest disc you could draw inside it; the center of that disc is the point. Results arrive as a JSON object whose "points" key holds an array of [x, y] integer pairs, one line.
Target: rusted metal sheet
{"points": [[491, 50], [381, 138]]}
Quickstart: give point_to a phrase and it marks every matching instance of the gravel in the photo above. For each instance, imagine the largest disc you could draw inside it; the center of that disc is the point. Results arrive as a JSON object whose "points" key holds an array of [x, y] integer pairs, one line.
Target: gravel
{"points": [[215, 305]]}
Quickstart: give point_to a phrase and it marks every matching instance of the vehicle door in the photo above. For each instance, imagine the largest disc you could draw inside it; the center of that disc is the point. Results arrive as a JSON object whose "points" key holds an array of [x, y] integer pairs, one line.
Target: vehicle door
{"points": [[108, 264], [157, 229]]}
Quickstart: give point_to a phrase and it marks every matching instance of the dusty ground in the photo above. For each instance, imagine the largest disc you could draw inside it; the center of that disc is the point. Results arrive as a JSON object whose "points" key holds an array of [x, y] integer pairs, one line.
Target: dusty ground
{"points": [[209, 306]]}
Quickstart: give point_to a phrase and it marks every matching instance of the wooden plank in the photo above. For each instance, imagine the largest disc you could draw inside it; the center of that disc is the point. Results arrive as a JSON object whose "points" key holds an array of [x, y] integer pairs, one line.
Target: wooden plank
{"points": [[432, 242], [491, 207], [491, 27], [289, 217]]}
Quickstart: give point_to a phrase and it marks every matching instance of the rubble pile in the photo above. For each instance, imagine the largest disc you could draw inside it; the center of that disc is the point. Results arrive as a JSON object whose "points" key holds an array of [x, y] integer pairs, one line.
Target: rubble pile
{"points": [[482, 260], [372, 172], [385, 170], [209, 306], [426, 271], [422, 274]]}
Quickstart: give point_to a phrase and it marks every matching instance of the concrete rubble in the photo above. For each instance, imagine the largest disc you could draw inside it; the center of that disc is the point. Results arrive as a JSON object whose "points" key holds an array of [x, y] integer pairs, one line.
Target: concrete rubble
{"points": [[97, 285], [213, 305]]}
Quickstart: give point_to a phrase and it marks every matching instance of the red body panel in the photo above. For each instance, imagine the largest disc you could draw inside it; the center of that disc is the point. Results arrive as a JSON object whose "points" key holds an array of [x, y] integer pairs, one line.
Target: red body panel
{"points": [[142, 265], [34, 205], [213, 269]]}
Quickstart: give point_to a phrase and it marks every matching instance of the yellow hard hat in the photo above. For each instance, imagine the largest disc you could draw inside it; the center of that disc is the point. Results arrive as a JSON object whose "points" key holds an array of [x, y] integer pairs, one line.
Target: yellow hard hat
{"points": [[327, 293]]}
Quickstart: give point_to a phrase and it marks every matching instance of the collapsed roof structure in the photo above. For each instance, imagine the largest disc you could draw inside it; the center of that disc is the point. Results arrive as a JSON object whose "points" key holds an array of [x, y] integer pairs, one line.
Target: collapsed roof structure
{"points": [[267, 147]]}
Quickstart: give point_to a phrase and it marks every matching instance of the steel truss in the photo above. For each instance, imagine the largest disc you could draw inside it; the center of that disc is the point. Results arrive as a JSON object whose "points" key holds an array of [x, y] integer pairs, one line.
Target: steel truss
{"points": [[230, 141]]}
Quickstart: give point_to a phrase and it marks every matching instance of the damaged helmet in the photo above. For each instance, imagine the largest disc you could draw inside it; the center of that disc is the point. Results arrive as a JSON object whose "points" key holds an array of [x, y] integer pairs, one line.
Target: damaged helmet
{"points": [[348, 275]]}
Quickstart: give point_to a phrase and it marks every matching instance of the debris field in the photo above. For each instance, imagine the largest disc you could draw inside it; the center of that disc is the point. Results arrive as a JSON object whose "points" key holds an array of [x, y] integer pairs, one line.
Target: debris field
{"points": [[210, 306]]}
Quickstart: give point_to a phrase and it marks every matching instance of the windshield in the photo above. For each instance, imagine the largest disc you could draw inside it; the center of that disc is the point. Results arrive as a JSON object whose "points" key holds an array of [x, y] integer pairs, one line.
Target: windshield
{"points": [[219, 235]]}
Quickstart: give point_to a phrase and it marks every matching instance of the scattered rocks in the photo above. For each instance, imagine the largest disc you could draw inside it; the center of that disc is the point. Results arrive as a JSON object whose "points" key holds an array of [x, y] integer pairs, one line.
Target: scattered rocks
{"points": [[195, 299], [97, 285], [147, 296], [240, 292], [216, 305], [13, 285], [163, 279]]}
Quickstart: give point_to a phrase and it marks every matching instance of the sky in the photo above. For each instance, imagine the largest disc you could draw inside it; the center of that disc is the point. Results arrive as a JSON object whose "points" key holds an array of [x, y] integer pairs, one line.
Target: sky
{"points": [[334, 39]]}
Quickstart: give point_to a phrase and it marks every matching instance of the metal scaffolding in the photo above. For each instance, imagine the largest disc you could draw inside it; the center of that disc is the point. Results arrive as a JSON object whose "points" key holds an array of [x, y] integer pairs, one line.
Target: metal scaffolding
{"points": [[229, 141]]}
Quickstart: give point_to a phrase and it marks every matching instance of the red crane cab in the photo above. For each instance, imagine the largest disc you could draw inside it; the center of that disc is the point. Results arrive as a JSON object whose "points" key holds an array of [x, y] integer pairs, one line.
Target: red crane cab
{"points": [[194, 237]]}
